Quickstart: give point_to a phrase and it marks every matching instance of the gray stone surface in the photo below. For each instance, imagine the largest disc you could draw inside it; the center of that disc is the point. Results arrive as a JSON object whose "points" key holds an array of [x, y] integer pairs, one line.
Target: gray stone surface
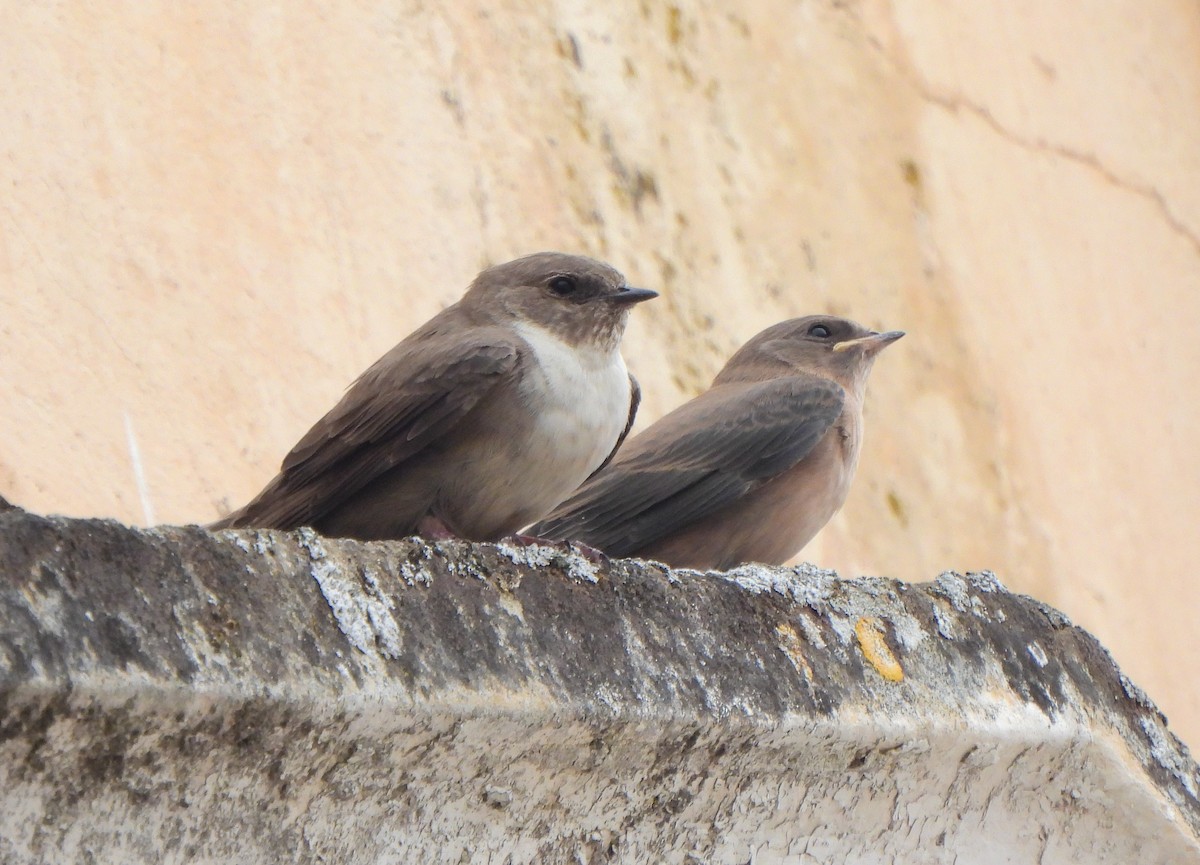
{"points": [[174, 695]]}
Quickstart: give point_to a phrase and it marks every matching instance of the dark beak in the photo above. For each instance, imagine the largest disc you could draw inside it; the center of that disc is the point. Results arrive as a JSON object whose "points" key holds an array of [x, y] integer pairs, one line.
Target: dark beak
{"points": [[627, 295]]}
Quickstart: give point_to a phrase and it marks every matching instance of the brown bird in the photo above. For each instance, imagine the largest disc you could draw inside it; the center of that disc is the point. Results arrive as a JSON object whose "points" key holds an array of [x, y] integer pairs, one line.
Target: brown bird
{"points": [[749, 470], [477, 423]]}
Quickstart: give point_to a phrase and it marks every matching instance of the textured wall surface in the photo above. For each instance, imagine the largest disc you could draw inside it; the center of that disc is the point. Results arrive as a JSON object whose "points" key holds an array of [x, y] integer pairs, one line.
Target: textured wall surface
{"points": [[212, 218], [171, 695]]}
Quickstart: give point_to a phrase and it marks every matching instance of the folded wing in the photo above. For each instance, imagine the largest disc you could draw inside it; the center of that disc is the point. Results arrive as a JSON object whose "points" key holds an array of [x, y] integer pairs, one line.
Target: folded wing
{"points": [[396, 409], [700, 458]]}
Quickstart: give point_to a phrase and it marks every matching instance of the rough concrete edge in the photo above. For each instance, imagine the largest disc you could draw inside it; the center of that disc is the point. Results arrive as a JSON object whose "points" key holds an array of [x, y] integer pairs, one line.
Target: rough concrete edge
{"points": [[1164, 757], [1166, 750]]}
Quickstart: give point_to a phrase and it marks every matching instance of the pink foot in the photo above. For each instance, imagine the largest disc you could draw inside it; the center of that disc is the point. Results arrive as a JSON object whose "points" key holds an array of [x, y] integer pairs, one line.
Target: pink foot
{"points": [[593, 555], [434, 529]]}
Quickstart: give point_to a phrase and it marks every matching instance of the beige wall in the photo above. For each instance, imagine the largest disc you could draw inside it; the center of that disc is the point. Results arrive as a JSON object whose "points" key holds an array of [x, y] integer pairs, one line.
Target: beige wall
{"points": [[211, 220]]}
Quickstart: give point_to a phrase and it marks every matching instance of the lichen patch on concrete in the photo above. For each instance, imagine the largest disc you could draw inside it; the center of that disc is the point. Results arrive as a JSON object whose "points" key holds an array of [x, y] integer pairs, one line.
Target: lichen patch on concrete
{"points": [[177, 694], [873, 644]]}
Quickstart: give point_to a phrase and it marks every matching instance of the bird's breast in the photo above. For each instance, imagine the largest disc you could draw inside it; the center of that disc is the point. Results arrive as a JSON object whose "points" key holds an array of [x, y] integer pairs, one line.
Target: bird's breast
{"points": [[578, 398]]}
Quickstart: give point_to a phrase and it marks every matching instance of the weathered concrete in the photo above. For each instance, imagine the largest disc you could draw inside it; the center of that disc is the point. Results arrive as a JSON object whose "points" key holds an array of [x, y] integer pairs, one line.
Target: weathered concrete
{"points": [[173, 695]]}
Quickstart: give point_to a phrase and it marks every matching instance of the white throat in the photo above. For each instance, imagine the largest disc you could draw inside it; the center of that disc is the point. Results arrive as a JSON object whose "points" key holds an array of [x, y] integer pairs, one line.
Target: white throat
{"points": [[580, 395], [564, 363]]}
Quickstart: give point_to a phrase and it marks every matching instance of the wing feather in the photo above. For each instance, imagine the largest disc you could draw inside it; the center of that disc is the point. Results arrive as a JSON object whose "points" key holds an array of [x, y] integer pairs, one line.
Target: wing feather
{"points": [[696, 460], [408, 400]]}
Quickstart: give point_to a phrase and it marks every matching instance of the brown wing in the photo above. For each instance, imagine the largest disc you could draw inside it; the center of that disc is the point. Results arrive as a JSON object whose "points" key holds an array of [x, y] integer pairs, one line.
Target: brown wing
{"points": [[397, 408], [701, 457]]}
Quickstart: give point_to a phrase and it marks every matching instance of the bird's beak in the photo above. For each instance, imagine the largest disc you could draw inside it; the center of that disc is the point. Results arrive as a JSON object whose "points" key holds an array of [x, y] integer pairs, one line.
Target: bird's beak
{"points": [[870, 343], [627, 295]]}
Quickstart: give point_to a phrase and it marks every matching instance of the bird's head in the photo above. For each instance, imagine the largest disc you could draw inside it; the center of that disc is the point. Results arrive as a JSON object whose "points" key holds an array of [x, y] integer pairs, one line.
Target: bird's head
{"points": [[578, 299], [824, 345]]}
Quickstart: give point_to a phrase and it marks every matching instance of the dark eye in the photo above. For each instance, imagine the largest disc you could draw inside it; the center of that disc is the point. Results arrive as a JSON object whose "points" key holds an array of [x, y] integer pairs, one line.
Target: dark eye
{"points": [[562, 285], [820, 331]]}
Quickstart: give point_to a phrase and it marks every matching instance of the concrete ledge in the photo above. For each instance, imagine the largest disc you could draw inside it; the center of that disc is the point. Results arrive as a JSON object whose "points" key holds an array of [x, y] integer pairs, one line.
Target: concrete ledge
{"points": [[174, 695]]}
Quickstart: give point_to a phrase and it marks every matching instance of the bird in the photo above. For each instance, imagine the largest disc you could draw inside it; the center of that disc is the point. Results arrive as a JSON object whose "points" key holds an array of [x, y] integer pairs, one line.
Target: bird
{"points": [[748, 471], [477, 423]]}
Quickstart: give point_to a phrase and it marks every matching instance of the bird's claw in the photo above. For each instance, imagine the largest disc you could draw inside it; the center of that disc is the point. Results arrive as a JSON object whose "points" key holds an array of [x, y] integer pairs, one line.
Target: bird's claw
{"points": [[433, 529], [593, 555]]}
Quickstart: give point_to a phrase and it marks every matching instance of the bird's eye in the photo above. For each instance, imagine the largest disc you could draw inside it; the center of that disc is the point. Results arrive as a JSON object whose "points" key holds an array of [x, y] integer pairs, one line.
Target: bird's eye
{"points": [[562, 285], [820, 331]]}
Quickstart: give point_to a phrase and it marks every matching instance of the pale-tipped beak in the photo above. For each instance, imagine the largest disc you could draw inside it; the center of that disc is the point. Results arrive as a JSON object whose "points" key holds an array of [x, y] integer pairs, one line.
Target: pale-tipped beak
{"points": [[870, 343], [632, 295]]}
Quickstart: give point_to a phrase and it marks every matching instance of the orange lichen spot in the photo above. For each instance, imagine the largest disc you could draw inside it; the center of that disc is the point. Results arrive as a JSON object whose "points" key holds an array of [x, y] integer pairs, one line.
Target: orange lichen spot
{"points": [[789, 644], [875, 649]]}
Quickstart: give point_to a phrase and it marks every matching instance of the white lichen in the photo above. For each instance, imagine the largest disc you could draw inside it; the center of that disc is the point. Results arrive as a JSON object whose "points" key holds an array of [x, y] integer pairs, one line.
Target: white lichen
{"points": [[577, 567], [803, 584], [1164, 752], [362, 612], [944, 623]]}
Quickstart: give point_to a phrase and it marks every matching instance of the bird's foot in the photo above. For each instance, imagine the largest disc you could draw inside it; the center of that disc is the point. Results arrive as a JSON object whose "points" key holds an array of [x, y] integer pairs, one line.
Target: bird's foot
{"points": [[593, 555], [433, 529]]}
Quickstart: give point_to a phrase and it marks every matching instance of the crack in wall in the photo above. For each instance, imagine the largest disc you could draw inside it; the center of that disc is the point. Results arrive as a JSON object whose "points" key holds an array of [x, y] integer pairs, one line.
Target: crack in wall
{"points": [[1038, 144], [958, 103]]}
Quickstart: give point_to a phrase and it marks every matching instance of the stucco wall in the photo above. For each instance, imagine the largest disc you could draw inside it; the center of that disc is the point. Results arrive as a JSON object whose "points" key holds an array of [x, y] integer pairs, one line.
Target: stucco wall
{"points": [[212, 218]]}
